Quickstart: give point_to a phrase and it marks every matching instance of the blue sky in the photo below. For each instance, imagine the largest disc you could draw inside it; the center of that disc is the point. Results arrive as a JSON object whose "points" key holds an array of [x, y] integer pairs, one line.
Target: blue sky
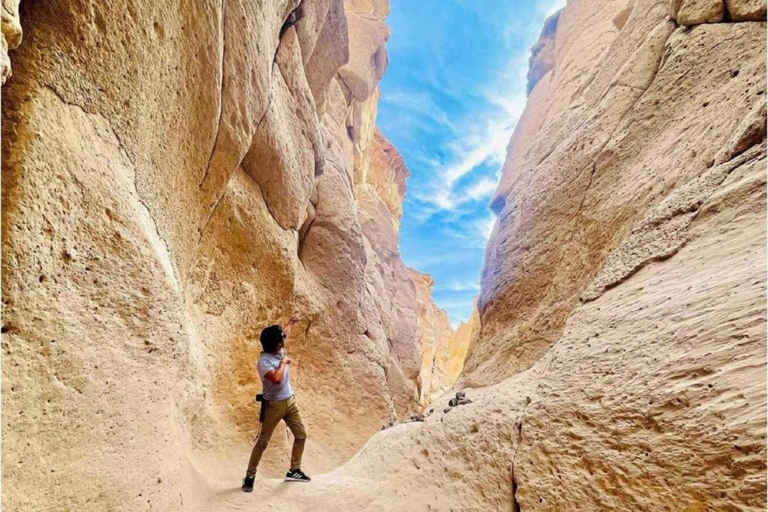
{"points": [[450, 100]]}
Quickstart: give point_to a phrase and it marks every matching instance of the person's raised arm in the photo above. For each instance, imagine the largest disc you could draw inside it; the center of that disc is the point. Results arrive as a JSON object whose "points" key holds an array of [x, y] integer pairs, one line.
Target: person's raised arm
{"points": [[289, 326]]}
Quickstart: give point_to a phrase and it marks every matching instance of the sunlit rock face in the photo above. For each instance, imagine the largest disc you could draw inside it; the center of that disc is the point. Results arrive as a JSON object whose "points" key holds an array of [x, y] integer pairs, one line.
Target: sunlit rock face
{"points": [[175, 178], [604, 141], [620, 363], [625, 275], [443, 349], [450, 354]]}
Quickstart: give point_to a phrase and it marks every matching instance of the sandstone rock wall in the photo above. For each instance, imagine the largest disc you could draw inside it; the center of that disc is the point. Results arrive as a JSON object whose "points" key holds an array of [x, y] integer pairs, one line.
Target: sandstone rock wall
{"points": [[621, 359], [450, 354], [604, 139], [177, 176], [543, 53], [158, 207], [443, 348]]}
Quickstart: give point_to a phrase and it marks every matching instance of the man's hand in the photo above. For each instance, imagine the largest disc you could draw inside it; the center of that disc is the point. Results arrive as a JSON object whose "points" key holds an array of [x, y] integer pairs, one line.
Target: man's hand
{"points": [[277, 375], [287, 327]]}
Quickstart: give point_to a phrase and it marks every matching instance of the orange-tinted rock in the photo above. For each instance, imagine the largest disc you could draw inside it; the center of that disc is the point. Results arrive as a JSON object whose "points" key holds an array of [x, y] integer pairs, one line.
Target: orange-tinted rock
{"points": [[451, 352], [435, 336]]}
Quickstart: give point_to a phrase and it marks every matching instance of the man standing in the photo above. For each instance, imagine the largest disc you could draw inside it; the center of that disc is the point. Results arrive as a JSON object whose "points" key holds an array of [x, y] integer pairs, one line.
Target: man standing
{"points": [[278, 404]]}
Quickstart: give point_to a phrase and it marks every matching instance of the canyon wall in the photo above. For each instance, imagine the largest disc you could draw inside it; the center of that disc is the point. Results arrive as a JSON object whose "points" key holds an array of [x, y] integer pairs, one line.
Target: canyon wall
{"points": [[177, 176], [450, 353], [443, 348], [621, 358], [609, 133]]}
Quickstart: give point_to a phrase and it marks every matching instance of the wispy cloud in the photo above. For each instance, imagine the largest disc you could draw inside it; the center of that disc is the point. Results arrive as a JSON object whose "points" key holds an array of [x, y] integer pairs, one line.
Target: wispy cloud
{"points": [[483, 140], [482, 189], [420, 104], [473, 234], [552, 7], [485, 226], [450, 103], [458, 286]]}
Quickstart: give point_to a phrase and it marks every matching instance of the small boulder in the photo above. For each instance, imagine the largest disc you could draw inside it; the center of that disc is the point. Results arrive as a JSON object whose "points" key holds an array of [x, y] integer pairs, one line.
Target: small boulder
{"points": [[696, 12], [746, 10]]}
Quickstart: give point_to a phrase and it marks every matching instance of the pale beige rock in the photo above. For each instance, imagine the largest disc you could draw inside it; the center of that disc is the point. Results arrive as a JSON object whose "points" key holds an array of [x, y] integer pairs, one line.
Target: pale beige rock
{"points": [[621, 19], [175, 179], [329, 53], [746, 10], [285, 153], [11, 36], [542, 58], [645, 182], [367, 57], [696, 12], [141, 258], [385, 171], [450, 354], [579, 136], [435, 337], [378, 8]]}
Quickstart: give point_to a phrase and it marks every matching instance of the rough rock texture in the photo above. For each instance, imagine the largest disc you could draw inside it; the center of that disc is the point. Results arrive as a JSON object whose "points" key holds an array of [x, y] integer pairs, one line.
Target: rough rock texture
{"points": [[176, 177], [746, 10], [443, 348], [384, 172], [696, 12], [542, 58], [641, 405], [622, 103], [621, 360], [10, 37], [450, 354]]}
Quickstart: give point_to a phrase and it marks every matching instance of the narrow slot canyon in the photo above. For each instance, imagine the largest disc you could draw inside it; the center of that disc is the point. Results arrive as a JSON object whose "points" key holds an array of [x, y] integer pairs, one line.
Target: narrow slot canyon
{"points": [[176, 176]]}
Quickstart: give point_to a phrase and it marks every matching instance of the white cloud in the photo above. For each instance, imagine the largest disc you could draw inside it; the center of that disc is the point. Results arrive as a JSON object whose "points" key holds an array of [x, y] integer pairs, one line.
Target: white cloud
{"points": [[485, 226], [428, 262], [459, 286], [484, 140], [420, 104], [482, 189], [456, 304], [474, 234], [552, 7]]}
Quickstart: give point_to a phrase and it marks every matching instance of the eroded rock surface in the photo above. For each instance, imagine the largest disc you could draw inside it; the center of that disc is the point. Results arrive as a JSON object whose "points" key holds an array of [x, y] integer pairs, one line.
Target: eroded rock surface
{"points": [[175, 178], [621, 358], [543, 53], [450, 354], [443, 348], [620, 354]]}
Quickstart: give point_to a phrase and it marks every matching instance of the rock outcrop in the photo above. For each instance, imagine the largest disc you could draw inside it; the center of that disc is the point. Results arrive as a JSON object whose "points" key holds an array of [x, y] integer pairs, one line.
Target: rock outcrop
{"points": [[542, 58], [10, 37], [175, 178]]}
